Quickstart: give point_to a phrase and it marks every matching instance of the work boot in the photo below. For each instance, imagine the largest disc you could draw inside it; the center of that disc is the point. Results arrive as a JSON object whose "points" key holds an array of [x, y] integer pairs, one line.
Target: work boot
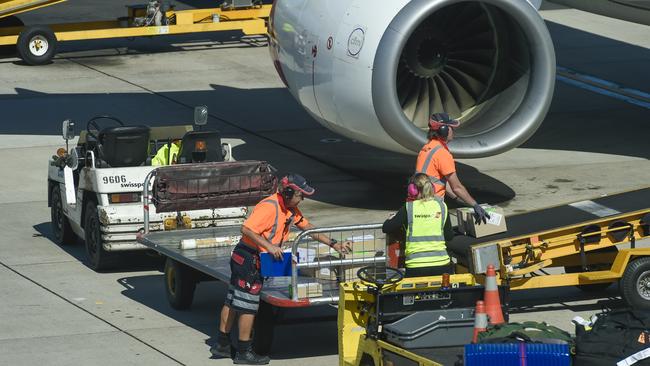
{"points": [[222, 348], [246, 356]]}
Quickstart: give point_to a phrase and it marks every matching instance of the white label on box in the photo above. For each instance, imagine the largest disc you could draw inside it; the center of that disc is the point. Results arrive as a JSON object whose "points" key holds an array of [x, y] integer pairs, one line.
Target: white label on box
{"points": [[306, 254], [325, 272], [495, 218]]}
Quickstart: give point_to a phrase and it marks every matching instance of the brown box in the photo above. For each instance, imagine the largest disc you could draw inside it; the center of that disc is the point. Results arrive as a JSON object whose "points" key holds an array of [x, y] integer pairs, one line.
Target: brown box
{"points": [[316, 252], [495, 224], [361, 250], [322, 273], [305, 290]]}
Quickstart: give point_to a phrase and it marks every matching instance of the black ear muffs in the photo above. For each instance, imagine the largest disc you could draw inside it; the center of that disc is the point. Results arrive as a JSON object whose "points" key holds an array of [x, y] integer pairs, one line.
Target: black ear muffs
{"points": [[287, 193], [443, 131]]}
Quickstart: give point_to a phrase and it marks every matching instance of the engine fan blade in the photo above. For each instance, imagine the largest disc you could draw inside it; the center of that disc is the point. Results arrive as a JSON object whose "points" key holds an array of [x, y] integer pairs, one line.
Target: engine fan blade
{"points": [[463, 99], [448, 101], [421, 117], [412, 99], [435, 100]]}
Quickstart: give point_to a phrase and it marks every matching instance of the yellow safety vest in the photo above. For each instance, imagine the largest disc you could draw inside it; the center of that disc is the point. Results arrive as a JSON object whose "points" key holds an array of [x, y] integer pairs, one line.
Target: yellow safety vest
{"points": [[425, 240], [162, 156]]}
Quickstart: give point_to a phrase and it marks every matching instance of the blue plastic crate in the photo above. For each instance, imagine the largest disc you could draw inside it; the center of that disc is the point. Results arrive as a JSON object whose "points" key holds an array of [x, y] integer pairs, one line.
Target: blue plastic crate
{"points": [[270, 267], [517, 354]]}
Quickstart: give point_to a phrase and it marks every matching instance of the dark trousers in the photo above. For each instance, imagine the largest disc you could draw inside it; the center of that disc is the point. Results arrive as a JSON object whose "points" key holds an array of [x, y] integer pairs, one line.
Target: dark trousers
{"points": [[429, 271]]}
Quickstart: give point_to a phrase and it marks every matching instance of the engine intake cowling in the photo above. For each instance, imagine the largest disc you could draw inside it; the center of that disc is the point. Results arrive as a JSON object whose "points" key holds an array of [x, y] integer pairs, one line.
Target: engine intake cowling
{"points": [[489, 63]]}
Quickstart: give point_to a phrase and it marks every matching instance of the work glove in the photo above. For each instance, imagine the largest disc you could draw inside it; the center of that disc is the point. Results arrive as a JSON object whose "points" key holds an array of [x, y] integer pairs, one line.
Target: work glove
{"points": [[480, 214]]}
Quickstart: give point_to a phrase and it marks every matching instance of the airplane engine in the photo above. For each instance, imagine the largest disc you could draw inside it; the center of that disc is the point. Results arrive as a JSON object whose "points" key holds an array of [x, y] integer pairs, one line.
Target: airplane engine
{"points": [[374, 71]]}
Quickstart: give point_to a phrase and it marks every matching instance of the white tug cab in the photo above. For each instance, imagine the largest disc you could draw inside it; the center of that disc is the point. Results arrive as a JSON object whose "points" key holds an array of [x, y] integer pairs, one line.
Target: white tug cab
{"points": [[95, 187]]}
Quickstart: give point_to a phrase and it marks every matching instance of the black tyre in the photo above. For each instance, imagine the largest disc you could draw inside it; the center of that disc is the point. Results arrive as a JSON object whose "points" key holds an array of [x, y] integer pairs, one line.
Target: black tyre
{"points": [[61, 229], [98, 258], [180, 283], [263, 328], [37, 45], [10, 21], [635, 283]]}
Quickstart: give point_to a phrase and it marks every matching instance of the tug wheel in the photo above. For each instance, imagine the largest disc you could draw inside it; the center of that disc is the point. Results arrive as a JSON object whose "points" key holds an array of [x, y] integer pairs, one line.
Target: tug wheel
{"points": [[98, 258], [61, 229]]}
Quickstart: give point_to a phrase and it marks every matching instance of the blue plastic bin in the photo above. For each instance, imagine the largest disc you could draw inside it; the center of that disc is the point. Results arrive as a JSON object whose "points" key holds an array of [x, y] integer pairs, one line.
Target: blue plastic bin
{"points": [[270, 267], [517, 354]]}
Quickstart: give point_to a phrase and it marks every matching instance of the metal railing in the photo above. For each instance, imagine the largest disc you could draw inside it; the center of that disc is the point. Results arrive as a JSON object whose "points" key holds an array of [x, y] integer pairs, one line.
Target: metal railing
{"points": [[146, 198], [368, 238], [209, 185]]}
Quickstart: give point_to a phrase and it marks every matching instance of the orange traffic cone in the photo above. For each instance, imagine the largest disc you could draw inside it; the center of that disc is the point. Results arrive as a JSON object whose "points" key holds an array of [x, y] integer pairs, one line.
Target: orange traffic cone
{"points": [[491, 297], [480, 320]]}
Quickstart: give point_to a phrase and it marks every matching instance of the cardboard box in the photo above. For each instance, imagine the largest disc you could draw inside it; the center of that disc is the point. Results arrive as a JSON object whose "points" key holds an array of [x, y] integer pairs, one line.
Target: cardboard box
{"points": [[323, 273], [305, 290], [365, 246], [361, 250], [313, 250], [495, 224], [317, 252]]}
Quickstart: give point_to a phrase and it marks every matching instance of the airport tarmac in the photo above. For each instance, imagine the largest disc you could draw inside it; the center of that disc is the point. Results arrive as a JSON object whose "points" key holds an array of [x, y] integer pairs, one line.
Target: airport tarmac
{"points": [[54, 310]]}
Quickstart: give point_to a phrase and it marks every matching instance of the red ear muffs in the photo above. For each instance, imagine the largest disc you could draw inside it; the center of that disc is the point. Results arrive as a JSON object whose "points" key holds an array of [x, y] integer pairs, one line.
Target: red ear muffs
{"points": [[412, 190], [284, 182]]}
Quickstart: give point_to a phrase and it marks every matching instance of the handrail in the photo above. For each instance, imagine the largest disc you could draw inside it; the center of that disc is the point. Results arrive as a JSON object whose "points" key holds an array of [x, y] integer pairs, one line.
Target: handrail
{"points": [[146, 199], [92, 158], [328, 263]]}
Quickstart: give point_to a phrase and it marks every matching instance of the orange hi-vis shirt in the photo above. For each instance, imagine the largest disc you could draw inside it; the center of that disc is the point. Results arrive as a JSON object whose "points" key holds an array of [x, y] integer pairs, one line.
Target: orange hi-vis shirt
{"points": [[272, 220], [436, 161]]}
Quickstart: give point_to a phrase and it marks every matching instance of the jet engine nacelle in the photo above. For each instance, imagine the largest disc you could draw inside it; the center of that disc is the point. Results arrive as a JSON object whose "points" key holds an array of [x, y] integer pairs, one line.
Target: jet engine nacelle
{"points": [[374, 71]]}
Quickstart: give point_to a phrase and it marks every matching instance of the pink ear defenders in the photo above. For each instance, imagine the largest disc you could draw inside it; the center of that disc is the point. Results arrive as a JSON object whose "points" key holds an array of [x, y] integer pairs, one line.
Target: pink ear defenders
{"points": [[412, 190]]}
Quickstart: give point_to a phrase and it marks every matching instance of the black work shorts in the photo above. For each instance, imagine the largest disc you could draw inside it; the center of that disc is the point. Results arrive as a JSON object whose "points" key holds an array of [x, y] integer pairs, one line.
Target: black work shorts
{"points": [[245, 280]]}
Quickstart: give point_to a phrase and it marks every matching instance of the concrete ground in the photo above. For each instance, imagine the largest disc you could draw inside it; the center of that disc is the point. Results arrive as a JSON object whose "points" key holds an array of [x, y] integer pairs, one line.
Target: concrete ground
{"points": [[54, 310]]}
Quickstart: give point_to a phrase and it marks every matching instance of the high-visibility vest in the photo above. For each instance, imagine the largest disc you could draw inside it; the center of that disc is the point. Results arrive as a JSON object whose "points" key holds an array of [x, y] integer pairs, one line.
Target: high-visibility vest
{"points": [[425, 240], [422, 166], [163, 154]]}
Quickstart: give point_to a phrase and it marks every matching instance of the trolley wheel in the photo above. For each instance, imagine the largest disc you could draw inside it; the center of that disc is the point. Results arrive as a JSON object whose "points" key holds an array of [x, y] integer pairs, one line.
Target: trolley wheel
{"points": [[180, 283], [61, 229], [635, 283], [263, 328], [6, 22], [37, 45], [98, 258]]}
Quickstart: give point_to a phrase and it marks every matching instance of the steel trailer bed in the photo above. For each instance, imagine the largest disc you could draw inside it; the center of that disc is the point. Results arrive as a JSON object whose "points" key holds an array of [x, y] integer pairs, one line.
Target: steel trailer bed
{"points": [[215, 263]]}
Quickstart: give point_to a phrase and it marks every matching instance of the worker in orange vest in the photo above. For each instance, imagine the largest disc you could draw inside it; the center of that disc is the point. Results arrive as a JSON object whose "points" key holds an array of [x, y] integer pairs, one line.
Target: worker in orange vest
{"points": [[436, 161], [264, 231]]}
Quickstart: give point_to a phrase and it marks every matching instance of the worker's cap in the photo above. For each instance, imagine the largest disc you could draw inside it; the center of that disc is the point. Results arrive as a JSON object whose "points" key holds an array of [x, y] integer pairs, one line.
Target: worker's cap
{"points": [[298, 183], [438, 120]]}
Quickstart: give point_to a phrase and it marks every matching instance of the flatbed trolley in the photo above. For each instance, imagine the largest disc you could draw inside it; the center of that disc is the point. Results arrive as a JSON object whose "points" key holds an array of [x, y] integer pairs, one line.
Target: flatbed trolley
{"points": [[204, 186], [36, 44]]}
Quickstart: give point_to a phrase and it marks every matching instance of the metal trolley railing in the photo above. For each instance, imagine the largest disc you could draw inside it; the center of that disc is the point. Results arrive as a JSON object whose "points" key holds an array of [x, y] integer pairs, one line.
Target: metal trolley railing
{"points": [[368, 247], [207, 186]]}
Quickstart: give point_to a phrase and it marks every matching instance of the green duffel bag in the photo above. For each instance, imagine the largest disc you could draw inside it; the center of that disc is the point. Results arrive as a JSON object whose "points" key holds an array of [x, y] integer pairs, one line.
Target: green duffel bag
{"points": [[527, 332]]}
